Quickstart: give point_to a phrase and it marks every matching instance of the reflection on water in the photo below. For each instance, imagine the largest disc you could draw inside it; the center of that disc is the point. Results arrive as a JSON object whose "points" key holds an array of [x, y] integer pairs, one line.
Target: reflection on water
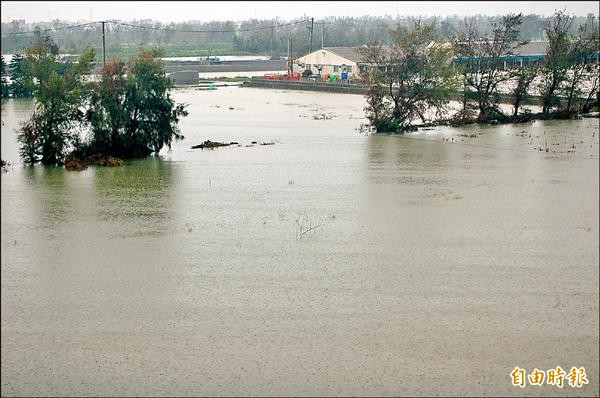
{"points": [[14, 111], [185, 274], [138, 194]]}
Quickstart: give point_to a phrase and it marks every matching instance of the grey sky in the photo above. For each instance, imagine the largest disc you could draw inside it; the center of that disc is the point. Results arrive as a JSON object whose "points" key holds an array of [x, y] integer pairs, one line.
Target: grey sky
{"points": [[214, 10]]}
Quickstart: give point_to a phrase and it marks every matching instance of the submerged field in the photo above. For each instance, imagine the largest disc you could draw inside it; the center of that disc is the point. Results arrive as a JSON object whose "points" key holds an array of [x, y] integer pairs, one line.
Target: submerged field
{"points": [[329, 263]]}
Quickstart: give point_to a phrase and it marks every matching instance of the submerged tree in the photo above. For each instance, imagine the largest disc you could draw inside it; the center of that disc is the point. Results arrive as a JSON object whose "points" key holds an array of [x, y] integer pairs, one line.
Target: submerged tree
{"points": [[377, 109], [28, 138], [524, 76], [4, 81], [482, 61], [584, 68], [131, 111], [58, 91], [593, 97], [414, 73], [20, 76], [557, 61]]}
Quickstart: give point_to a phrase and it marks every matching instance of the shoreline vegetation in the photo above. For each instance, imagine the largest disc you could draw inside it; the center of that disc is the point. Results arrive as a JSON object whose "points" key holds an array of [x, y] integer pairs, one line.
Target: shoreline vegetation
{"points": [[459, 119], [129, 112], [412, 77]]}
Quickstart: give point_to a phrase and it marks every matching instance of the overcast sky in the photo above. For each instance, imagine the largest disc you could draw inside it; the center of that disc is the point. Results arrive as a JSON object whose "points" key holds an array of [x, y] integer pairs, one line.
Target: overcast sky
{"points": [[177, 11]]}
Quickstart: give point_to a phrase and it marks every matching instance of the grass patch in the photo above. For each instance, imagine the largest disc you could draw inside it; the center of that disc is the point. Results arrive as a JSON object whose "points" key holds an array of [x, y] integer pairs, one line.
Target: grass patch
{"points": [[125, 51]]}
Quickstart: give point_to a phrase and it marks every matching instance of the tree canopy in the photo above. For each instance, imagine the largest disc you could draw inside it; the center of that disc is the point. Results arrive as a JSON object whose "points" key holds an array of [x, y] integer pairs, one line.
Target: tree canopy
{"points": [[129, 111], [411, 75]]}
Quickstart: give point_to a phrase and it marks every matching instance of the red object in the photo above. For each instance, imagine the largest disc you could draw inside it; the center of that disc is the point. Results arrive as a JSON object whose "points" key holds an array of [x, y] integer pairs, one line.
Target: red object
{"points": [[293, 76]]}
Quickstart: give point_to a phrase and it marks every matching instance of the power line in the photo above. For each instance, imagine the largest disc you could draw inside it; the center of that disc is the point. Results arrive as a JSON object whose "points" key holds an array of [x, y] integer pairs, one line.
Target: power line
{"points": [[207, 31], [178, 30], [50, 29], [161, 29], [357, 24]]}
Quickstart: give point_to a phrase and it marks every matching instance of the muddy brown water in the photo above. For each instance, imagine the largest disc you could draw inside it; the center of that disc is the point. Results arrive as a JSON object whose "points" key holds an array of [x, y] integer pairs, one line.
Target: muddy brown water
{"points": [[437, 263]]}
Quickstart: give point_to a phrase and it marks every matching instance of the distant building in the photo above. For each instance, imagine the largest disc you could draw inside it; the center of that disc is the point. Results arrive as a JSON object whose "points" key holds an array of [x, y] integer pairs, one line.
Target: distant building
{"points": [[331, 60], [334, 60], [526, 54]]}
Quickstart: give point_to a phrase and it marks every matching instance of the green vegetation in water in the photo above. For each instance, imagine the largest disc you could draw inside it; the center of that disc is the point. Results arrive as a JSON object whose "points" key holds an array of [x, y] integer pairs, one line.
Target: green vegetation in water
{"points": [[129, 110], [208, 144], [415, 78]]}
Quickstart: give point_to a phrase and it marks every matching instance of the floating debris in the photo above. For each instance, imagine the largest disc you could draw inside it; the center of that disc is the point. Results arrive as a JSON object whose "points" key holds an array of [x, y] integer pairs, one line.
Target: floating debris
{"points": [[5, 165], [323, 116], [467, 135], [212, 144]]}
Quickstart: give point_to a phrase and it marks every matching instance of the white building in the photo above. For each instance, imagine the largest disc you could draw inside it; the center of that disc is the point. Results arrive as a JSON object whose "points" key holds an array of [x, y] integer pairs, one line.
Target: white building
{"points": [[331, 60]]}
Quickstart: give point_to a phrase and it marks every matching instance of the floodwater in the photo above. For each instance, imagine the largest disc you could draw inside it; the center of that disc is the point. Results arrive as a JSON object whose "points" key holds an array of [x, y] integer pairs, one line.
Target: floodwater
{"points": [[437, 262]]}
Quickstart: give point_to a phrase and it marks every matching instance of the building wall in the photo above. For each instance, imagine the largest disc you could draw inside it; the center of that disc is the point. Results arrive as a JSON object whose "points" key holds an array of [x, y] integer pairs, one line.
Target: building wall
{"points": [[183, 78], [332, 63]]}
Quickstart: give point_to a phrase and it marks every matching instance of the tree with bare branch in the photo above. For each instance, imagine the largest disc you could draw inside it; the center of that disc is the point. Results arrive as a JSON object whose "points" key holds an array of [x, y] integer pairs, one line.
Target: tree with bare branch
{"points": [[481, 61], [411, 76]]}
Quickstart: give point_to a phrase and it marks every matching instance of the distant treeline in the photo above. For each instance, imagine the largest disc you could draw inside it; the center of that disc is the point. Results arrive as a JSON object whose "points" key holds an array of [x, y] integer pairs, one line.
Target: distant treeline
{"points": [[229, 37]]}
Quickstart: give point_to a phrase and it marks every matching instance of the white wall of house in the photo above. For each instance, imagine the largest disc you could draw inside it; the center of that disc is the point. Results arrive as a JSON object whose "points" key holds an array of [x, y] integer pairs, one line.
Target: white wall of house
{"points": [[332, 63]]}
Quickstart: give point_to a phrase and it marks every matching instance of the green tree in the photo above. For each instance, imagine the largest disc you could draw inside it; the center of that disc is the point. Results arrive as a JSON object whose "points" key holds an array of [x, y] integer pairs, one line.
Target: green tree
{"points": [[415, 74], [557, 61], [377, 108], [30, 143], [583, 67], [58, 95], [131, 110], [483, 65], [524, 76], [4, 81], [21, 82]]}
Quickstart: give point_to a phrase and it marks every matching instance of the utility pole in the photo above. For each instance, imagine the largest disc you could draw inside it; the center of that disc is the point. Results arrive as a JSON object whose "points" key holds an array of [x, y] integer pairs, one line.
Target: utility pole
{"points": [[312, 25], [291, 59], [323, 36], [103, 45], [272, 36], [288, 54]]}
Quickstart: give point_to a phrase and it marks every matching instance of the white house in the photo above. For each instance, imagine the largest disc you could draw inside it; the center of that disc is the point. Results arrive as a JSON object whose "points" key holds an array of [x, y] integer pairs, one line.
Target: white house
{"points": [[331, 60]]}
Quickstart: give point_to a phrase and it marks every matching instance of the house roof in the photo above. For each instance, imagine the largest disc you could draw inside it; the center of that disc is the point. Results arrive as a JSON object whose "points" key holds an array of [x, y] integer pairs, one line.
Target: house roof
{"points": [[528, 49], [531, 48], [349, 53]]}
